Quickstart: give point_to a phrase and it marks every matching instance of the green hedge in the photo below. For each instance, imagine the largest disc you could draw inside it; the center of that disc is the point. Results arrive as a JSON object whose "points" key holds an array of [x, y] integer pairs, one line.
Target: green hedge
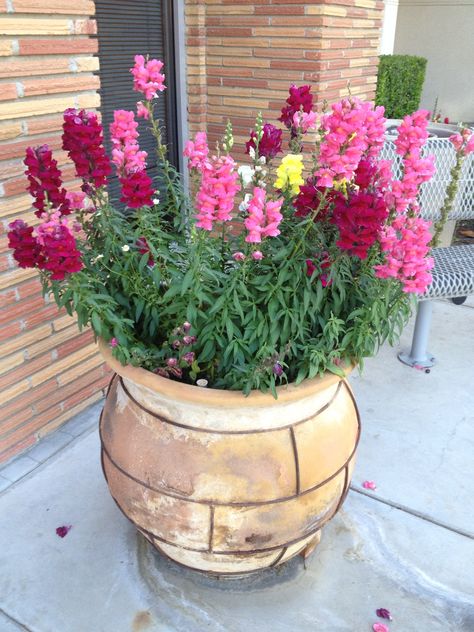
{"points": [[399, 83]]}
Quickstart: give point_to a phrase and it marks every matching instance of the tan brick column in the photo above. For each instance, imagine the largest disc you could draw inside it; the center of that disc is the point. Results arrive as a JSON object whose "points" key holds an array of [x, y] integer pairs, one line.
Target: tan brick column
{"points": [[48, 371], [253, 50]]}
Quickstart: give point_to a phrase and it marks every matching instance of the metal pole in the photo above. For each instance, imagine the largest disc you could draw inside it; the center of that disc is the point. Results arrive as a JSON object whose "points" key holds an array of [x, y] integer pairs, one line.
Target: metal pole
{"points": [[419, 357]]}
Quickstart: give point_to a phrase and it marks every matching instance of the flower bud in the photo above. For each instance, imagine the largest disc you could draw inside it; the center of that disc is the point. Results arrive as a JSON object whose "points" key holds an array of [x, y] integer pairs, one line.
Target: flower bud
{"points": [[277, 369], [172, 362], [189, 357], [186, 327]]}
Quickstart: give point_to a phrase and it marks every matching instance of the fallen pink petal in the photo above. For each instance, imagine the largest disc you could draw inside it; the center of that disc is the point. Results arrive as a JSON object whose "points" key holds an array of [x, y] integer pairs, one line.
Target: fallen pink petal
{"points": [[383, 613], [369, 485], [380, 627], [63, 531]]}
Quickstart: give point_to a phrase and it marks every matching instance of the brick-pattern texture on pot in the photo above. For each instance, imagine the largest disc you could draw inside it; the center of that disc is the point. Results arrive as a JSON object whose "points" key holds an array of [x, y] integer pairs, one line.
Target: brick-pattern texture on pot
{"points": [[48, 370], [223, 483], [243, 54]]}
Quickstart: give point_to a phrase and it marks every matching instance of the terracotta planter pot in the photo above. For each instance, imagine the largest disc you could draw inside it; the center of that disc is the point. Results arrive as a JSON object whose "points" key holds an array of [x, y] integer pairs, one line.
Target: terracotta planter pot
{"points": [[224, 483]]}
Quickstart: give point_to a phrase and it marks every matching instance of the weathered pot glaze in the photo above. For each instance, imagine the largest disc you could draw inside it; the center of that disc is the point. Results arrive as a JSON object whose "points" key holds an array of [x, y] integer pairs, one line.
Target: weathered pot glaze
{"points": [[224, 483]]}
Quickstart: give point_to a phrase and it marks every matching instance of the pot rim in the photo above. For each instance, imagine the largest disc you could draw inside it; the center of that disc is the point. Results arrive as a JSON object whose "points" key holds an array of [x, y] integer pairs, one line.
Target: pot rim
{"points": [[218, 397]]}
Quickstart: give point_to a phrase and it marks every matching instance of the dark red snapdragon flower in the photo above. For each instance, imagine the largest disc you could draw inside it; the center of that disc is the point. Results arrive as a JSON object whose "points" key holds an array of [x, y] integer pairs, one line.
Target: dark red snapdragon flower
{"points": [[144, 248], [83, 140], [137, 189], [309, 199], [365, 174], [45, 183], [322, 263], [300, 99], [26, 248], [59, 250], [270, 143], [359, 220]]}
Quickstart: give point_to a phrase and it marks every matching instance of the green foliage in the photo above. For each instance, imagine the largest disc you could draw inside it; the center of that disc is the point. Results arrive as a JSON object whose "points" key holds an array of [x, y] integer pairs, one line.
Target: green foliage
{"points": [[399, 84], [184, 307]]}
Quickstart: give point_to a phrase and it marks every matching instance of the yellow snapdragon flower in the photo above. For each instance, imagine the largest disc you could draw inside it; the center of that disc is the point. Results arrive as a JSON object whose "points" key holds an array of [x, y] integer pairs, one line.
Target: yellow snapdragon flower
{"points": [[289, 173]]}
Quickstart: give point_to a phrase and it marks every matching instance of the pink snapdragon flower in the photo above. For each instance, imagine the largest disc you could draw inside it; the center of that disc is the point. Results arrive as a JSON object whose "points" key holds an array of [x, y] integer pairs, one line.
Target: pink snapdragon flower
{"points": [[352, 130], [405, 244], [196, 151], [412, 134], [76, 200], [137, 190], [142, 111], [463, 142], [304, 121], [216, 195], [147, 76], [263, 218], [126, 152]]}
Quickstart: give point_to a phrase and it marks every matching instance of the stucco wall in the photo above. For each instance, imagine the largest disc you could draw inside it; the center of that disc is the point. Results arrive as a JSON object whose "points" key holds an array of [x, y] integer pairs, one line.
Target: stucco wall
{"points": [[443, 32]]}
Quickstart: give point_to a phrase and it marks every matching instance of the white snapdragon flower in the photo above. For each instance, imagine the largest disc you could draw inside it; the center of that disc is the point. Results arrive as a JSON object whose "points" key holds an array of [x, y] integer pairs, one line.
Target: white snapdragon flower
{"points": [[252, 152], [245, 203], [246, 173], [125, 248]]}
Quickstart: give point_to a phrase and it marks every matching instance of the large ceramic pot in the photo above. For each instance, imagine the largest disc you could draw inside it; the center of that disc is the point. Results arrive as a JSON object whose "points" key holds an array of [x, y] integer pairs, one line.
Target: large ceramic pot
{"points": [[224, 483]]}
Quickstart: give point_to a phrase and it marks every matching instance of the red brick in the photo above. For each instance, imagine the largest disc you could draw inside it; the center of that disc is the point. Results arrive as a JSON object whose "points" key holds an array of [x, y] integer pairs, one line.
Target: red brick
{"points": [[16, 449], [92, 382], [26, 400], [7, 297], [29, 288], [17, 309], [55, 7], [22, 432], [75, 343], [58, 46], [77, 83], [8, 92], [43, 315], [25, 370], [10, 330], [18, 148]]}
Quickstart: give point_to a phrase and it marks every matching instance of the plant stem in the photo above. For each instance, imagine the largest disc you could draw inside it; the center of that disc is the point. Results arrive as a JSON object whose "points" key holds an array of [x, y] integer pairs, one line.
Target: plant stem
{"points": [[310, 224], [162, 154], [447, 207]]}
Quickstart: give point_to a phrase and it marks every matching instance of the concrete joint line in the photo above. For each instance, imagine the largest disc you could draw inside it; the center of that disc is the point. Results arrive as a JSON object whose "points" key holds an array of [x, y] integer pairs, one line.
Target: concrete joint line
{"points": [[413, 512], [15, 621]]}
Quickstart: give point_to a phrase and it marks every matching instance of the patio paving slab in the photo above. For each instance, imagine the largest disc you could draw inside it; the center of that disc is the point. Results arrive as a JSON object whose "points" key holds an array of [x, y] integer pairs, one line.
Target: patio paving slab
{"points": [[104, 577], [417, 428], [386, 548]]}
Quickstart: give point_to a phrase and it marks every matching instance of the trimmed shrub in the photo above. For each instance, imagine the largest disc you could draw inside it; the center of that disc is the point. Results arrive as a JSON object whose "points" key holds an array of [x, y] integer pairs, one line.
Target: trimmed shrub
{"points": [[399, 84]]}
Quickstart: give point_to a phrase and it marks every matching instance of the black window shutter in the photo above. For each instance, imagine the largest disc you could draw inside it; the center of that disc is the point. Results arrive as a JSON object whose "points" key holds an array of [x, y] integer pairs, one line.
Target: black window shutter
{"points": [[125, 29]]}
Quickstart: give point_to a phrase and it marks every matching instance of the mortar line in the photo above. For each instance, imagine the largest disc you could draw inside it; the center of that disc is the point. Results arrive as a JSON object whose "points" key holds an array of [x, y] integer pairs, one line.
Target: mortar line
{"points": [[414, 512], [15, 621]]}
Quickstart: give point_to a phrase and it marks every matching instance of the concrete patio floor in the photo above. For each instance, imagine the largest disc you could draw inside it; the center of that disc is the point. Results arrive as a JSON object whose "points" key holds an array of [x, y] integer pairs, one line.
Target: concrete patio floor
{"points": [[407, 546]]}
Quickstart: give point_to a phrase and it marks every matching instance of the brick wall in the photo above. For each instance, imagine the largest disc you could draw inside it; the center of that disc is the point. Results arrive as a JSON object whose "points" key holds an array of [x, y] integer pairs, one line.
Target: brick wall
{"points": [[48, 370], [243, 54]]}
